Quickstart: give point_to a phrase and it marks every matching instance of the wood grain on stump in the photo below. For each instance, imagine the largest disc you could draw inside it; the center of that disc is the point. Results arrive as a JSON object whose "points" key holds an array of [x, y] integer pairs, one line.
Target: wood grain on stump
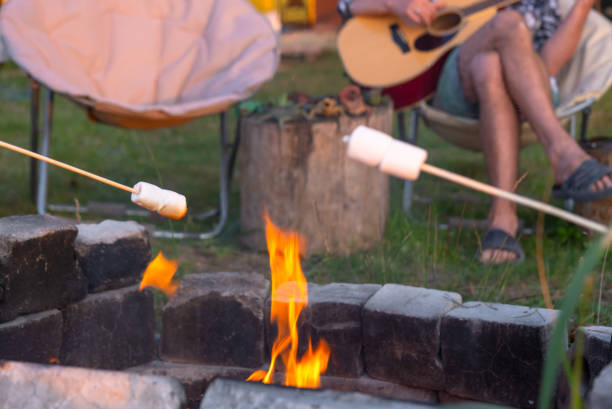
{"points": [[299, 173]]}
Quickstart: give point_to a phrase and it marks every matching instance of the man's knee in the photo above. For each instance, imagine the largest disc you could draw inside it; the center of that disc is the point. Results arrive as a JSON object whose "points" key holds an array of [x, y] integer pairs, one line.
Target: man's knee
{"points": [[510, 24], [486, 69]]}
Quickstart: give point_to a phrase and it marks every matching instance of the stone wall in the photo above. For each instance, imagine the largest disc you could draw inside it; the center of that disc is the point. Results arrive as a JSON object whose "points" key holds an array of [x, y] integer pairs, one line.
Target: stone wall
{"points": [[393, 341], [67, 293]]}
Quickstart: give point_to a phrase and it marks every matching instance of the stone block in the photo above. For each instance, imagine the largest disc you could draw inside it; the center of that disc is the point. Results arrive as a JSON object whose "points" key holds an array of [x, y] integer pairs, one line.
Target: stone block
{"points": [[194, 378], [37, 265], [112, 254], [230, 394], [375, 387], [109, 330], [495, 352], [33, 386], [447, 398], [216, 319], [597, 348], [401, 335], [333, 313], [600, 396], [597, 353], [32, 338]]}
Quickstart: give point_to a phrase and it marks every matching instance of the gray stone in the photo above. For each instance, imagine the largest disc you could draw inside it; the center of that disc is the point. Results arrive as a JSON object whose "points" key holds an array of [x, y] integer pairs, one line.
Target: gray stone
{"points": [[445, 397], [109, 330], [601, 394], [216, 319], [112, 254], [596, 354], [597, 348], [375, 387], [194, 378], [230, 394], [32, 386], [333, 314], [495, 352], [32, 338], [401, 335], [37, 265]]}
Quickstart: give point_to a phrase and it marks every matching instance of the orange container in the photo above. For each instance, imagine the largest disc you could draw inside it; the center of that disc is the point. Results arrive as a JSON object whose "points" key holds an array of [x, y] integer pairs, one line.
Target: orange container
{"points": [[263, 6], [298, 11]]}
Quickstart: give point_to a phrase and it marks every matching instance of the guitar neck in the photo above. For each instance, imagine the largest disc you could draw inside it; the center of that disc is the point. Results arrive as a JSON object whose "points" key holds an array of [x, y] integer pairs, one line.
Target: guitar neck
{"points": [[476, 7]]}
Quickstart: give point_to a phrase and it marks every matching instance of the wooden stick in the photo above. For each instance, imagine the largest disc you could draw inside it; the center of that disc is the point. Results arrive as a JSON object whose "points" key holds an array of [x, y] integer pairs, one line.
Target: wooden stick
{"points": [[546, 208], [66, 166]]}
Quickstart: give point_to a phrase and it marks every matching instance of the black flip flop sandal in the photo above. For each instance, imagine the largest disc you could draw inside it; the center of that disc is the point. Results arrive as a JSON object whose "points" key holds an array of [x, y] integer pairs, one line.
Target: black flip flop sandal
{"points": [[496, 239], [577, 186]]}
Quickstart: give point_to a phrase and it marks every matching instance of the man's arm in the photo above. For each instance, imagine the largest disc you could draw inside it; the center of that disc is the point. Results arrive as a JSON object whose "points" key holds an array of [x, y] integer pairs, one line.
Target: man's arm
{"points": [[411, 11], [561, 46]]}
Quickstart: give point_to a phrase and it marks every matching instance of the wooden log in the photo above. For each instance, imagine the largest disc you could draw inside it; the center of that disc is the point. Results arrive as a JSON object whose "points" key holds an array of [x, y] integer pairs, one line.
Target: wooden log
{"points": [[300, 174], [600, 210]]}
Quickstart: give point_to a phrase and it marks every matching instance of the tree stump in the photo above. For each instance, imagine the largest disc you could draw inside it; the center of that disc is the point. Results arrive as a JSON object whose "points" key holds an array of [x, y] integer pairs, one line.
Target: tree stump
{"points": [[600, 210], [300, 174]]}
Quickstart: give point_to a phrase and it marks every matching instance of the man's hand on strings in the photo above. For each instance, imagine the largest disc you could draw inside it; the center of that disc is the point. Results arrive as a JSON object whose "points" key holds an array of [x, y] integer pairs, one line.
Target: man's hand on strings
{"points": [[415, 11]]}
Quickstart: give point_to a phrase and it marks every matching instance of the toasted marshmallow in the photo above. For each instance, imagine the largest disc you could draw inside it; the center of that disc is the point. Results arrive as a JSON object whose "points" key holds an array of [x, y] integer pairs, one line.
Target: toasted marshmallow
{"points": [[392, 156], [164, 202]]}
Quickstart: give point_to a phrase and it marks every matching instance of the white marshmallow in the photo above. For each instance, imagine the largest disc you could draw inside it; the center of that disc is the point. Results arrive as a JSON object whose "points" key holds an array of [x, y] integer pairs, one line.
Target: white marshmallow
{"points": [[403, 160], [368, 145], [164, 202], [392, 156]]}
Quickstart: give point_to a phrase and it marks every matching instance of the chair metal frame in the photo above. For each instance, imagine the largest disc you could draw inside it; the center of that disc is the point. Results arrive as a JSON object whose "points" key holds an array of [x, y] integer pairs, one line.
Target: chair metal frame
{"points": [[39, 178], [416, 114]]}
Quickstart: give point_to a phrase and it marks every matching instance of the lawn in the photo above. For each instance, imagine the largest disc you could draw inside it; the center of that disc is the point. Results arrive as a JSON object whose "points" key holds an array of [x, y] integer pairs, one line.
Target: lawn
{"points": [[419, 249]]}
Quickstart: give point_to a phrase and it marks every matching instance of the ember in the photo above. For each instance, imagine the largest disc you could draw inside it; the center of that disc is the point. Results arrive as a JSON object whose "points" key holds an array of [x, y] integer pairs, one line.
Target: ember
{"points": [[159, 275], [289, 297]]}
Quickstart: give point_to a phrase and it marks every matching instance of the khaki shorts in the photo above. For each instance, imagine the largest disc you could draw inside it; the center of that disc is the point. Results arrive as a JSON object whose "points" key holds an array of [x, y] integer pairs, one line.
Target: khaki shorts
{"points": [[449, 93]]}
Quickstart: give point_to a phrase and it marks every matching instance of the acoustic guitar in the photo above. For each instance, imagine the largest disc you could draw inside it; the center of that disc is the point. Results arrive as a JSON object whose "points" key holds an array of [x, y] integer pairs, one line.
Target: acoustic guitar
{"points": [[384, 52]]}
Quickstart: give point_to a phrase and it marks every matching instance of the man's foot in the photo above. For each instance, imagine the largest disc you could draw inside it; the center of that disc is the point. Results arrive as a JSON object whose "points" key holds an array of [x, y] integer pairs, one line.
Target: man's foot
{"points": [[502, 219], [499, 247], [580, 177]]}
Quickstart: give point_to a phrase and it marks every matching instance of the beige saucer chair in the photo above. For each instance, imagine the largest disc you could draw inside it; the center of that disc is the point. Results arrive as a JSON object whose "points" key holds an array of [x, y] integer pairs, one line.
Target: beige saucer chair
{"points": [[583, 80], [141, 64]]}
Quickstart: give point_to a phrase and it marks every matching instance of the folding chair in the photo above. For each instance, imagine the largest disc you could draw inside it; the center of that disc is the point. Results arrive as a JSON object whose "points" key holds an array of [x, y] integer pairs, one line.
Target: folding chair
{"points": [[583, 80], [141, 64]]}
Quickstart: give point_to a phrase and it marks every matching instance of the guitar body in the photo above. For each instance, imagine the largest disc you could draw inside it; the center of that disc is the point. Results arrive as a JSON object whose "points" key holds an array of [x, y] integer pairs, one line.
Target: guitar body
{"points": [[383, 52]]}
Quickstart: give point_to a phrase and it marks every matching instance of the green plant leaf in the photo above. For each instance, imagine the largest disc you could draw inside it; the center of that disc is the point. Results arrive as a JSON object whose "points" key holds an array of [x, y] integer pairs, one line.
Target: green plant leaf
{"points": [[557, 346]]}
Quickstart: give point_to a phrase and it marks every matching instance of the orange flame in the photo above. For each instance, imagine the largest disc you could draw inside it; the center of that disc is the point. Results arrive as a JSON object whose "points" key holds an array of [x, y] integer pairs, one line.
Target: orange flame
{"points": [[159, 274], [289, 297]]}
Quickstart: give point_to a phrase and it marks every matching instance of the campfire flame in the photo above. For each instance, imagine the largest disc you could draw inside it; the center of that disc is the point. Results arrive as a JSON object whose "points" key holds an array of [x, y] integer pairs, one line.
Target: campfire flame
{"points": [[159, 274], [289, 297]]}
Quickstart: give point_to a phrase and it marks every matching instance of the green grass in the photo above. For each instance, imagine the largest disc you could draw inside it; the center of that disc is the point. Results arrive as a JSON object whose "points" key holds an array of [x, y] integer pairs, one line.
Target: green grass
{"points": [[416, 250]]}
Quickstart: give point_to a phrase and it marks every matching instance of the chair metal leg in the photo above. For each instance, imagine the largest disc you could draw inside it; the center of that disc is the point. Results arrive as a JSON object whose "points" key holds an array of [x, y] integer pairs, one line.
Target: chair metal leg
{"points": [[229, 150], [586, 114], [228, 154], [401, 125], [413, 139], [585, 108], [34, 131], [41, 196]]}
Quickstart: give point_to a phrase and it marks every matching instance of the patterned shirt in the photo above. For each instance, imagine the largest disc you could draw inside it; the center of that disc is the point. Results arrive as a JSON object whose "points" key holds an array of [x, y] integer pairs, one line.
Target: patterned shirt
{"points": [[541, 16]]}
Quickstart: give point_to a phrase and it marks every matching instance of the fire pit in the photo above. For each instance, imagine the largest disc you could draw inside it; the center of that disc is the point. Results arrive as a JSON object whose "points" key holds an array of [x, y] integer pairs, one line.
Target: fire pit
{"points": [[61, 307]]}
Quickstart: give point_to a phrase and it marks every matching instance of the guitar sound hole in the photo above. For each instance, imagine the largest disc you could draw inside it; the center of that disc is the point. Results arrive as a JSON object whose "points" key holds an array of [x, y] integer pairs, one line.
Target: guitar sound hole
{"points": [[445, 22], [428, 42]]}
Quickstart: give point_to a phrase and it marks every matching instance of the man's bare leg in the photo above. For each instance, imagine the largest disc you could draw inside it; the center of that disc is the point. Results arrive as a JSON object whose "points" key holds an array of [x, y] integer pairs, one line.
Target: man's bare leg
{"points": [[528, 87], [500, 138]]}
